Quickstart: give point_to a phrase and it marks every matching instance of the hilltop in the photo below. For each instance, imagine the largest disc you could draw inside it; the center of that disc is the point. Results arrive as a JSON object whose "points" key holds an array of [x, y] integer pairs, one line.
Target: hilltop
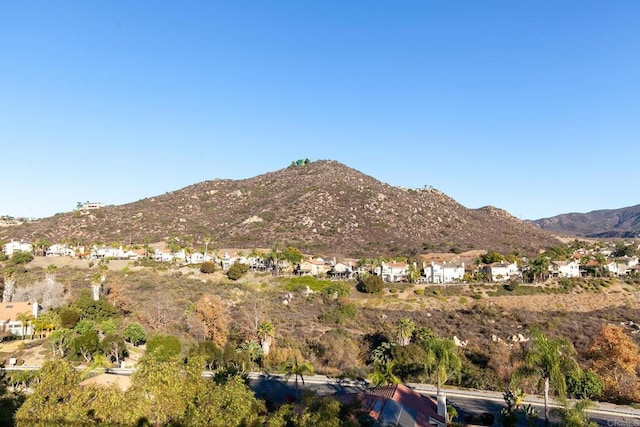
{"points": [[321, 207], [604, 223]]}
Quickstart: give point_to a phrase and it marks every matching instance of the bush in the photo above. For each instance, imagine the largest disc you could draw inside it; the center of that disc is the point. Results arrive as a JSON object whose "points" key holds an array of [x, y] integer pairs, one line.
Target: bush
{"points": [[163, 347], [21, 258], [419, 291], [371, 284], [135, 334], [208, 267], [340, 314], [237, 270]]}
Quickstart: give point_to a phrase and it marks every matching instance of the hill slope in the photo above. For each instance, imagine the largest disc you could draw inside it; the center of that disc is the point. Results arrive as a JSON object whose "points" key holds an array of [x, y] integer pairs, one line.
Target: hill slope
{"points": [[622, 223], [323, 207]]}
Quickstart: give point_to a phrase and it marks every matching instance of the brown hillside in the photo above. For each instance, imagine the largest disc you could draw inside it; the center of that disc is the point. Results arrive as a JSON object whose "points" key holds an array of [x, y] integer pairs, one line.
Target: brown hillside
{"points": [[323, 207]]}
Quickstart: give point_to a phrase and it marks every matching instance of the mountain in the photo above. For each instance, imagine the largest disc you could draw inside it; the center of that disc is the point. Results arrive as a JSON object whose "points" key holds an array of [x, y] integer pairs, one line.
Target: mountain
{"points": [[322, 207], [606, 223]]}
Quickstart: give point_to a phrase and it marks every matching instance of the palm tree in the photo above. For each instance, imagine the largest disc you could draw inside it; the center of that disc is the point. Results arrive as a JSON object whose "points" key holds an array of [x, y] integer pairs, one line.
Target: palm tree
{"points": [[266, 332], [252, 349], [548, 360], [298, 369], [404, 331], [441, 360], [24, 319], [383, 374]]}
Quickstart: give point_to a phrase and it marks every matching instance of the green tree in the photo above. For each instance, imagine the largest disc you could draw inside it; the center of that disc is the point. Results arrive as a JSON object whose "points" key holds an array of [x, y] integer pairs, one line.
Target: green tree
{"points": [[442, 361], [164, 347], [135, 334], [404, 331], [492, 256], [292, 255], [251, 349], [575, 415], [20, 258], [371, 284], [297, 369], [548, 360], [237, 270], [25, 320], [266, 332]]}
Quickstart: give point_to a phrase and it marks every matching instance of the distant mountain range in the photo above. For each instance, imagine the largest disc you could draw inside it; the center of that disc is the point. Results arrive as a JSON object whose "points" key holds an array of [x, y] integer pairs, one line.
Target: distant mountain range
{"points": [[323, 207], [606, 223]]}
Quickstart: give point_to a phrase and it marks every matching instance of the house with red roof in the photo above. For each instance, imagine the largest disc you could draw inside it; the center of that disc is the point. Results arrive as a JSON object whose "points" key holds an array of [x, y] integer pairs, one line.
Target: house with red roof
{"points": [[398, 405]]}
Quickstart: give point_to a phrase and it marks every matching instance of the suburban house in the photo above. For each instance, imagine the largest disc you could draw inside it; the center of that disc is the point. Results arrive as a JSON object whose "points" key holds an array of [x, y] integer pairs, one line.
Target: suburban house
{"points": [[502, 271], [625, 264], [13, 247], [313, 267], [393, 271], [564, 268], [398, 405], [341, 270], [60, 250], [10, 313], [443, 272], [612, 268]]}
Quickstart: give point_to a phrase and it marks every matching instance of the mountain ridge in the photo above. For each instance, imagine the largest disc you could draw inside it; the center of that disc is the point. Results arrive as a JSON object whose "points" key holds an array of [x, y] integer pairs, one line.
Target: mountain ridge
{"points": [[602, 223], [320, 207]]}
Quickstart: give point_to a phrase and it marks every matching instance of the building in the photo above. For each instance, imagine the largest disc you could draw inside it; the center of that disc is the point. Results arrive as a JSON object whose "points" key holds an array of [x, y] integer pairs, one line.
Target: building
{"points": [[13, 247], [10, 314], [443, 273]]}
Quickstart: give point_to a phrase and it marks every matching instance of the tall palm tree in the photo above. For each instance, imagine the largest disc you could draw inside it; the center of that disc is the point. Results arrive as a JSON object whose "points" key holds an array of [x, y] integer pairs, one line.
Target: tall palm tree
{"points": [[549, 360], [24, 319], [297, 369], [404, 331], [266, 332], [383, 374], [441, 360]]}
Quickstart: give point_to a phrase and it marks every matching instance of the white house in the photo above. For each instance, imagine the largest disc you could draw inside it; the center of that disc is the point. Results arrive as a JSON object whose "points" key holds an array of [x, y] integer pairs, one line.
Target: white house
{"points": [[443, 273], [341, 270], [13, 247], [502, 271], [107, 252], [564, 268], [625, 265], [393, 271], [60, 250], [10, 313]]}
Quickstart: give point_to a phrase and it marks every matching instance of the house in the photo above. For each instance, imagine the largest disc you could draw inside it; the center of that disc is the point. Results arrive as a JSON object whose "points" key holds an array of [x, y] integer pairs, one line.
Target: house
{"points": [[443, 272], [502, 271], [341, 270], [60, 250], [398, 405], [612, 268], [313, 267], [625, 264], [393, 271], [564, 268], [10, 314], [163, 255], [13, 247]]}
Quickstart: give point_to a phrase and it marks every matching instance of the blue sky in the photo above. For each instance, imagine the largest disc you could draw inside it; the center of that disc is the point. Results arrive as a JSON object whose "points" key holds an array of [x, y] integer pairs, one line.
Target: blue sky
{"points": [[529, 106]]}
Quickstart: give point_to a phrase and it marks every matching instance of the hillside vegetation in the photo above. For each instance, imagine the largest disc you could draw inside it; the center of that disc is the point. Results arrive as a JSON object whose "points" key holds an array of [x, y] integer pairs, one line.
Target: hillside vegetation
{"points": [[320, 207]]}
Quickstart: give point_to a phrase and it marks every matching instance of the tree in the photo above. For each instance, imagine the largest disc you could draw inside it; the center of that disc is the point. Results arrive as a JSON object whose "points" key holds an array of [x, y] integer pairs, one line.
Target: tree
{"points": [[615, 357], [114, 348], [237, 270], [266, 332], [576, 415], [404, 331], [549, 360], [251, 349], [441, 360], [135, 334], [371, 284], [297, 369], [163, 347], [208, 267], [210, 311], [292, 255], [25, 320]]}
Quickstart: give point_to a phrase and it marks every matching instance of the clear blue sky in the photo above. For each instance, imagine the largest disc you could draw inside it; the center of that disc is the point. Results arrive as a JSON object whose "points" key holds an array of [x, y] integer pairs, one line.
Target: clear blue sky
{"points": [[529, 106]]}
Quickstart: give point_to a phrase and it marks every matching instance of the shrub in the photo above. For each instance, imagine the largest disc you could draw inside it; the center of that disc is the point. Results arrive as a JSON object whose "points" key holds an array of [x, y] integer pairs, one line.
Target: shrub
{"points": [[340, 314], [208, 267], [163, 347], [135, 334], [419, 291], [21, 258], [237, 270], [371, 284]]}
